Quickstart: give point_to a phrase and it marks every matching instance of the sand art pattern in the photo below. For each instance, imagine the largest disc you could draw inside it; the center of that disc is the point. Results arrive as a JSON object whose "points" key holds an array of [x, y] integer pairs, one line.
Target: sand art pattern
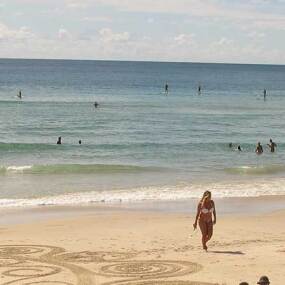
{"points": [[156, 282], [48, 265]]}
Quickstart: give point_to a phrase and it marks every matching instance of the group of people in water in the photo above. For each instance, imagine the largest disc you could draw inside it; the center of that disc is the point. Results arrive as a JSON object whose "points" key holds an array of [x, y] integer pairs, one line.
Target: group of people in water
{"points": [[272, 145], [59, 141], [199, 90], [259, 149], [19, 95], [166, 89]]}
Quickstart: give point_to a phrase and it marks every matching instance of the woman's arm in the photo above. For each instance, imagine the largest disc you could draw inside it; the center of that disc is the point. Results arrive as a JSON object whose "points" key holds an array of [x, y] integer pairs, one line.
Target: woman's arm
{"points": [[197, 216], [214, 213]]}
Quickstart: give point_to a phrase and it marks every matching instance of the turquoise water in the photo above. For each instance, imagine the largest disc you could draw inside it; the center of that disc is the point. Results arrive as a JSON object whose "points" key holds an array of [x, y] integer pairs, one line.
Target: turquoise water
{"points": [[139, 144]]}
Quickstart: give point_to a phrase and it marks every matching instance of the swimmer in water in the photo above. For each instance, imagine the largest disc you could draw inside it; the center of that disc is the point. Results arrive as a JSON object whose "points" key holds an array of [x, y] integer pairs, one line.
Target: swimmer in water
{"points": [[259, 149], [272, 145], [96, 104], [20, 94], [166, 88], [264, 94], [199, 89], [58, 140], [80, 142], [239, 148], [230, 145]]}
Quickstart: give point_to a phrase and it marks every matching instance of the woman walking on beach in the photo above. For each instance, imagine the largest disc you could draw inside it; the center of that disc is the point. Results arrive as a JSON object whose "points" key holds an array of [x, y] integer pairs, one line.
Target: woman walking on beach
{"points": [[205, 213]]}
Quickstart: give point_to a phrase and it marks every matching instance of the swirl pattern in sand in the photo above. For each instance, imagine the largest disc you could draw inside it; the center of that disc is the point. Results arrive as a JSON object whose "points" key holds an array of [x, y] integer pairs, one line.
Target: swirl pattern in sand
{"points": [[175, 282], [20, 250], [149, 269], [49, 265], [90, 257]]}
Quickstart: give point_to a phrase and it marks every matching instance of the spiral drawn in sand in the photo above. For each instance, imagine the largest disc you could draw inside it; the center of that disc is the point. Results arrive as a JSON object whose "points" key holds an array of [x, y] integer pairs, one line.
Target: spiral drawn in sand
{"points": [[48, 283], [37, 264], [19, 250], [80, 257], [97, 257], [117, 256], [24, 264], [5, 262], [159, 282], [149, 269], [32, 271]]}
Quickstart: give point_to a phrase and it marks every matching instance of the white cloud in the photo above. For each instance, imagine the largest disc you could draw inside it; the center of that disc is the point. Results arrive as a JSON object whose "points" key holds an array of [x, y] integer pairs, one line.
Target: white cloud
{"points": [[107, 35], [75, 4], [270, 23], [256, 35], [214, 9], [97, 19], [229, 31], [184, 39], [110, 45], [224, 42], [23, 33]]}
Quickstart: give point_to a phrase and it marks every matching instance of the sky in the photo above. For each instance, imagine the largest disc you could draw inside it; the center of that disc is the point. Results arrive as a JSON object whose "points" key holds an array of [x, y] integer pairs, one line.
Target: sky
{"points": [[233, 31]]}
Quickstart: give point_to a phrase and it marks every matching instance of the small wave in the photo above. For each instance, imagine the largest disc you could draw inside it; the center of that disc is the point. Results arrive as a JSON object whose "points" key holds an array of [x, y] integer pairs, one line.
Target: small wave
{"points": [[18, 168], [76, 169], [256, 170], [181, 192], [25, 147]]}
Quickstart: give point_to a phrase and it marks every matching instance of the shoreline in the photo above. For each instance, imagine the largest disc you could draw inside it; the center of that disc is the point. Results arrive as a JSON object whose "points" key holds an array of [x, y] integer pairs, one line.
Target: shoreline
{"points": [[225, 206]]}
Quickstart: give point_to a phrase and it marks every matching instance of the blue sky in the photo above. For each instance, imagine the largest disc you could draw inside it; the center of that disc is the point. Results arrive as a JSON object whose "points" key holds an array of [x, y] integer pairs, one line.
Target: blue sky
{"points": [[240, 31]]}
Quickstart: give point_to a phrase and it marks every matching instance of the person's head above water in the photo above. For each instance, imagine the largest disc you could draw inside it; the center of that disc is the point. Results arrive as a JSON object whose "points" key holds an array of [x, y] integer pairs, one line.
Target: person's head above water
{"points": [[271, 140], [79, 141]]}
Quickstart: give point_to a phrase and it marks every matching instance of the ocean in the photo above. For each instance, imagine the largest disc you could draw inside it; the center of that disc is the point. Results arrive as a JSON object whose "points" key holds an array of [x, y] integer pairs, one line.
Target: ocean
{"points": [[139, 144]]}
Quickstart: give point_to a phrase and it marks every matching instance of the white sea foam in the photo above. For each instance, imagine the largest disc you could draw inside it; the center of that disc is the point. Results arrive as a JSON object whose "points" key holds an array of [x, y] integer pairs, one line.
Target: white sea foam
{"points": [[19, 169], [76, 169], [166, 193]]}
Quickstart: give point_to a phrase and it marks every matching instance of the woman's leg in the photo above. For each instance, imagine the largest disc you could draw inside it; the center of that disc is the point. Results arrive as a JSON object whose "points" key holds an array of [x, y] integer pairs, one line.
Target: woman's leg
{"points": [[204, 230], [209, 230]]}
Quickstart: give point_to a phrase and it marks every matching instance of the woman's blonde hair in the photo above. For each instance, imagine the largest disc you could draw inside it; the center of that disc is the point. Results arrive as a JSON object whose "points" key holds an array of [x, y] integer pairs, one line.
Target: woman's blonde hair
{"points": [[205, 196]]}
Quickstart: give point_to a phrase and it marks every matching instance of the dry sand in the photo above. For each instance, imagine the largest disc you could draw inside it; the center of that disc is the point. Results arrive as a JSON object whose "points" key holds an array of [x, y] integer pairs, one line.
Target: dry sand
{"points": [[140, 248]]}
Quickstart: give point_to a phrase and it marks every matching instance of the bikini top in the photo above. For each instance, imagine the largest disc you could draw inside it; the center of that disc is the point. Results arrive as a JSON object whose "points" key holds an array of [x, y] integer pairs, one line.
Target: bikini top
{"points": [[206, 211]]}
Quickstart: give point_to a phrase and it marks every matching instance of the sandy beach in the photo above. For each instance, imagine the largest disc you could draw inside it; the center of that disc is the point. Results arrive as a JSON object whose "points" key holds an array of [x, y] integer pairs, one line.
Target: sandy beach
{"points": [[109, 245], [127, 128]]}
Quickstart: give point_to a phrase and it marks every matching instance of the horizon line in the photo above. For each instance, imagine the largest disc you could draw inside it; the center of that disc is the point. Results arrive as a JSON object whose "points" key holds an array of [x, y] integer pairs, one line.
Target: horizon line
{"points": [[128, 60]]}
